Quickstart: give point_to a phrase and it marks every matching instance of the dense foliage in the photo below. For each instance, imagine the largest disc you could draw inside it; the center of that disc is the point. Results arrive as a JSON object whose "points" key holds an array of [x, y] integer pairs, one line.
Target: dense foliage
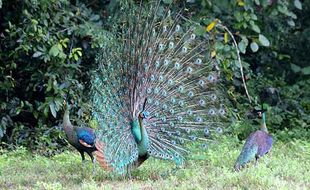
{"points": [[48, 48]]}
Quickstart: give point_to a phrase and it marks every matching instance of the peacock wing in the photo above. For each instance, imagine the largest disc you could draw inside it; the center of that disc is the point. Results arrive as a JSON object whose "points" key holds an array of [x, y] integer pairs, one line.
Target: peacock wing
{"points": [[249, 150], [86, 136], [265, 141]]}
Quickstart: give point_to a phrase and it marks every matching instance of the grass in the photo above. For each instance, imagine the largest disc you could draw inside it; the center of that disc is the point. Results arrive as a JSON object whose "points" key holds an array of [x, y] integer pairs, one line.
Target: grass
{"points": [[287, 167]]}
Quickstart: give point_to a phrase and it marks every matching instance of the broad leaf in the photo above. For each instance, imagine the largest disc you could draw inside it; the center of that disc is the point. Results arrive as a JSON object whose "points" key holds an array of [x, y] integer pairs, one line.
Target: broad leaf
{"points": [[263, 40], [254, 47]]}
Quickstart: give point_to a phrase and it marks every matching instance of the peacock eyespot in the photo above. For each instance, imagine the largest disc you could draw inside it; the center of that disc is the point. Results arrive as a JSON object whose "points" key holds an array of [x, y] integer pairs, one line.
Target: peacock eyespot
{"points": [[187, 130], [193, 138], [202, 102], [213, 97], [222, 111], [170, 82], [204, 146], [152, 77], [165, 28], [149, 100], [177, 65], [184, 49], [189, 112], [156, 90], [189, 70], [198, 61], [201, 83], [156, 103], [193, 36], [149, 90], [211, 78], [198, 119], [219, 130], [161, 46], [165, 107], [181, 89], [173, 100], [164, 93], [191, 94], [181, 141], [211, 112], [206, 131], [164, 119], [166, 62], [150, 50]]}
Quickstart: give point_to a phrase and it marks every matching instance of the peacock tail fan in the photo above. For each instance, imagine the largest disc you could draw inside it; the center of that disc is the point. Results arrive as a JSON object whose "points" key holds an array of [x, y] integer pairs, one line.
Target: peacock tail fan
{"points": [[162, 66]]}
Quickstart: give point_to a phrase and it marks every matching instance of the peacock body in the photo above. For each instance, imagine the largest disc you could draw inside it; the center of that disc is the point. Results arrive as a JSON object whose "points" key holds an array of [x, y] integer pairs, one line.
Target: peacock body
{"points": [[81, 138], [257, 145], [154, 91]]}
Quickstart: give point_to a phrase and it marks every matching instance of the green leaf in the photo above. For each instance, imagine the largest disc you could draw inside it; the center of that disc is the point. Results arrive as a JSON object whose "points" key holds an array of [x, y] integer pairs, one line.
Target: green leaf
{"points": [[306, 70], [1, 132], [291, 22], [298, 4], [257, 2], [254, 47], [167, 1], [242, 46], [76, 57], [37, 54], [295, 68], [54, 51], [53, 109], [94, 18], [255, 28], [263, 40]]}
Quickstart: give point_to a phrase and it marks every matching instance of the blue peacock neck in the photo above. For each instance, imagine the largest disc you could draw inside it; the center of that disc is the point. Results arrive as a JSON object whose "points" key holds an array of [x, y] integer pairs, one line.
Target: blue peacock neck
{"points": [[263, 123], [140, 135]]}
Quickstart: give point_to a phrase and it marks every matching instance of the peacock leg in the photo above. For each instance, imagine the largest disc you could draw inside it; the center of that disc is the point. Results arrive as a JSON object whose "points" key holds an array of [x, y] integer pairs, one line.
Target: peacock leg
{"points": [[82, 156], [256, 160], [93, 159]]}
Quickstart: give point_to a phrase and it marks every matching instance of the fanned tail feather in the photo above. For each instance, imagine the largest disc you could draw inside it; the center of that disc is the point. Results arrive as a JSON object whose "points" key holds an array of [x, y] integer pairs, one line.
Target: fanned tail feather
{"points": [[163, 61], [100, 156]]}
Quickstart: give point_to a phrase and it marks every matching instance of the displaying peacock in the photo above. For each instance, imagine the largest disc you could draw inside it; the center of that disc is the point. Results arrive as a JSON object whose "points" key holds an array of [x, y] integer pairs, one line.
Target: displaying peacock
{"points": [[256, 145], [155, 90], [81, 138]]}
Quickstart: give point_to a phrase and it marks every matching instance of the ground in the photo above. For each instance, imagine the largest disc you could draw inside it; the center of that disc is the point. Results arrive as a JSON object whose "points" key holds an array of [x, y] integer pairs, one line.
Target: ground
{"points": [[286, 167]]}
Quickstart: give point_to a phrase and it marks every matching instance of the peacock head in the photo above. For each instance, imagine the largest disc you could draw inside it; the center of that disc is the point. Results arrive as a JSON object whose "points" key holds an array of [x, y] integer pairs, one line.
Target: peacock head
{"points": [[66, 106], [144, 114]]}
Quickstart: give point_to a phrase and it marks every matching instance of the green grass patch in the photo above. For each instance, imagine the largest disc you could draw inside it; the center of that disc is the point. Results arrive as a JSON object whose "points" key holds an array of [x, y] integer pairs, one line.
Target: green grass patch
{"points": [[286, 167]]}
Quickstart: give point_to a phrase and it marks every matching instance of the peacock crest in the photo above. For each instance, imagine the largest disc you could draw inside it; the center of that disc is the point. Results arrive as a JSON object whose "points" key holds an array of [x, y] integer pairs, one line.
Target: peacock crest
{"points": [[156, 89]]}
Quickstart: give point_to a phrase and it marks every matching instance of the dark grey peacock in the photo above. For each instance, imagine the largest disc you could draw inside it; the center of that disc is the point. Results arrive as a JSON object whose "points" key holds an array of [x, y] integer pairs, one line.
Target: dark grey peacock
{"points": [[155, 90], [256, 145], [81, 138]]}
